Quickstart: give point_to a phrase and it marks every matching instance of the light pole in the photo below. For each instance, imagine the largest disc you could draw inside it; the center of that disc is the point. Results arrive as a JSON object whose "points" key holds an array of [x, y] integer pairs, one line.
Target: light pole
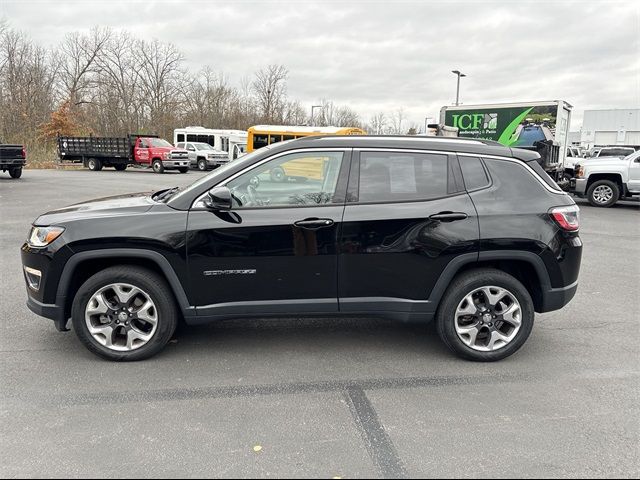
{"points": [[312, 107], [459, 74]]}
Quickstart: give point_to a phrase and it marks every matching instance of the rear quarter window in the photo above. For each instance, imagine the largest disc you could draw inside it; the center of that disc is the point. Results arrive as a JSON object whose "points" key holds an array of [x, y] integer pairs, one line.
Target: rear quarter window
{"points": [[513, 184]]}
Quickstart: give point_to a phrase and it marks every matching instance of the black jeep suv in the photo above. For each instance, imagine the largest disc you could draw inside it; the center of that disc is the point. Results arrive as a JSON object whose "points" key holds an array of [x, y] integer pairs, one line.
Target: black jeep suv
{"points": [[469, 233]]}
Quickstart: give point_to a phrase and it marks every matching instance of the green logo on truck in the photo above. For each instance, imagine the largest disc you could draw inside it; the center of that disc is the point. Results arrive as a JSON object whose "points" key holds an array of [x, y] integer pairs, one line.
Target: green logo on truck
{"points": [[475, 121]]}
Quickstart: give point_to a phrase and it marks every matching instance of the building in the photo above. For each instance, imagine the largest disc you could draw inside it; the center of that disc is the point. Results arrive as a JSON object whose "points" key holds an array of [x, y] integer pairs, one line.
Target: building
{"points": [[611, 127]]}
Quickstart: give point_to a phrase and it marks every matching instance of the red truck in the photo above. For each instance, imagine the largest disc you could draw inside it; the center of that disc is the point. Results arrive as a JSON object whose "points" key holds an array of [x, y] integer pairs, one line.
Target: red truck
{"points": [[118, 152]]}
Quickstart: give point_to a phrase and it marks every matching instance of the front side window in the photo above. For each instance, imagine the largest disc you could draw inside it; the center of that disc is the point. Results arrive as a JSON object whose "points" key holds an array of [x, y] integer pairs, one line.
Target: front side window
{"points": [[397, 177], [297, 179], [159, 142]]}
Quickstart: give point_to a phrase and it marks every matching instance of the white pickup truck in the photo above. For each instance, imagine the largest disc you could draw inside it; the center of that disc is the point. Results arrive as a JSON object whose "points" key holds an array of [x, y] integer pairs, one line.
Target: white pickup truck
{"points": [[604, 181]]}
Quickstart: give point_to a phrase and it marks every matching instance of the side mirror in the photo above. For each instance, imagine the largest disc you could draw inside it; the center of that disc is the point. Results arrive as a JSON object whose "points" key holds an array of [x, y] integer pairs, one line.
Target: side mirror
{"points": [[218, 198]]}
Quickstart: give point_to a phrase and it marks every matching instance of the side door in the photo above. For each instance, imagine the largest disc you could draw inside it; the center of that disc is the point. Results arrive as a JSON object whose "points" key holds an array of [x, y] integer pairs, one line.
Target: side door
{"points": [[634, 173], [407, 216], [193, 155], [141, 151], [276, 250]]}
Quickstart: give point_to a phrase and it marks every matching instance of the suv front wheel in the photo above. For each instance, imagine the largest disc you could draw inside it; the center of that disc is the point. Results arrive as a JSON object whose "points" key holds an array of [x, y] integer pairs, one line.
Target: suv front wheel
{"points": [[485, 315], [124, 313]]}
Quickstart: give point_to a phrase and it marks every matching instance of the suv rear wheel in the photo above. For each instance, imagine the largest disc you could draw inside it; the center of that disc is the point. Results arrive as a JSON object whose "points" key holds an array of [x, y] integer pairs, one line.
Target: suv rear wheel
{"points": [[603, 193], [485, 315], [124, 313], [15, 172]]}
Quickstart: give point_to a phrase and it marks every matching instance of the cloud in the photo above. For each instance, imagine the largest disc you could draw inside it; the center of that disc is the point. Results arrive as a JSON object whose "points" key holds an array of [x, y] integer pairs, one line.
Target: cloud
{"points": [[380, 56]]}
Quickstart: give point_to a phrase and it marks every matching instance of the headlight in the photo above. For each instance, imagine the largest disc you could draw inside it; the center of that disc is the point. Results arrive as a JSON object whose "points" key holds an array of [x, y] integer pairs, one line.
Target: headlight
{"points": [[43, 236], [579, 171]]}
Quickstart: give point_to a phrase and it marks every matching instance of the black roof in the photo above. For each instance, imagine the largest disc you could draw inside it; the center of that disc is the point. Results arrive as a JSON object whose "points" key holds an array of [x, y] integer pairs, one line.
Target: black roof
{"points": [[447, 144]]}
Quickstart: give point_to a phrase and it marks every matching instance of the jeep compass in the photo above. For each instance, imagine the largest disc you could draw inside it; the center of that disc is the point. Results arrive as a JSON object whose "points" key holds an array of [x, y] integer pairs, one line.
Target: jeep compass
{"points": [[468, 233]]}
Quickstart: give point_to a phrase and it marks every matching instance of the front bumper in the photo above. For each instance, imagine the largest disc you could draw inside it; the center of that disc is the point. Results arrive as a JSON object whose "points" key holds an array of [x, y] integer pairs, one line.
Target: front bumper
{"points": [[217, 161], [175, 163], [578, 185], [50, 311]]}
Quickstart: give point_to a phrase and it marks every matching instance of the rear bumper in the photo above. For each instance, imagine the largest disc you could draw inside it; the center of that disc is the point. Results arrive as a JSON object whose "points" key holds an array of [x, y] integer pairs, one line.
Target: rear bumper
{"points": [[556, 298], [7, 164]]}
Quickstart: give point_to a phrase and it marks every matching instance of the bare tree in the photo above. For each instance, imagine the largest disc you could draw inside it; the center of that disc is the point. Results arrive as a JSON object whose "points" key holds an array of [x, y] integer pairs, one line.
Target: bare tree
{"points": [[118, 84], [26, 86], [346, 117], [295, 114], [397, 120], [78, 56], [270, 88], [159, 75], [378, 123]]}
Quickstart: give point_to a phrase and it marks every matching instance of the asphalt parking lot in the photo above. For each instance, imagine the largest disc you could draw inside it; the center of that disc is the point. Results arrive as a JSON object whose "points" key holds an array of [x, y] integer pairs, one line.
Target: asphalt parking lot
{"points": [[322, 397]]}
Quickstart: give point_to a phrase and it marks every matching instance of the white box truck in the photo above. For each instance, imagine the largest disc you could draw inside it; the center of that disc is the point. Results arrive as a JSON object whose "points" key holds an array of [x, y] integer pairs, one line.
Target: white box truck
{"points": [[540, 126]]}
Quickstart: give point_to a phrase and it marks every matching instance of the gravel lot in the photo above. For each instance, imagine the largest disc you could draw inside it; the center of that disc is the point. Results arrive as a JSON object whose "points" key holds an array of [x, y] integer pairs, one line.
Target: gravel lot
{"points": [[322, 397]]}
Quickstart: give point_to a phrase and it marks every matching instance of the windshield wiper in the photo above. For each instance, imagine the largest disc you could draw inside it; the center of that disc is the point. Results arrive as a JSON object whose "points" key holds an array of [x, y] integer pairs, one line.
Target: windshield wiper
{"points": [[165, 194]]}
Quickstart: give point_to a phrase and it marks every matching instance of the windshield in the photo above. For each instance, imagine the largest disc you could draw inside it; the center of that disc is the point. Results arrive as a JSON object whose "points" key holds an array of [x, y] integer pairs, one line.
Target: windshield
{"points": [[159, 142], [220, 170], [615, 151], [202, 146]]}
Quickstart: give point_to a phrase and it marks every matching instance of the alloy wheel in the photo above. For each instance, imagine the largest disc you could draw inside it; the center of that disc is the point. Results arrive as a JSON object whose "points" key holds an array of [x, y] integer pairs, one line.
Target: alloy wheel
{"points": [[121, 317], [488, 318], [602, 194]]}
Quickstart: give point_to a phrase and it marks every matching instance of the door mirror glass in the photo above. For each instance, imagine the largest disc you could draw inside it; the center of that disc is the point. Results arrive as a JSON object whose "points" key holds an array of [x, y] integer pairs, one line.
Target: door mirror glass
{"points": [[218, 198]]}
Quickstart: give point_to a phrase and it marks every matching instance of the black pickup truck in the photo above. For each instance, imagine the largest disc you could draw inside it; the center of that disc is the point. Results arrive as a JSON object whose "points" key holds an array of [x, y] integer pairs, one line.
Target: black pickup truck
{"points": [[12, 158]]}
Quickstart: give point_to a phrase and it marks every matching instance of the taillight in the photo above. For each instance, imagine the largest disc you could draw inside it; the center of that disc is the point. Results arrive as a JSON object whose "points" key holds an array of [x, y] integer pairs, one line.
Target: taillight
{"points": [[24, 152], [568, 218]]}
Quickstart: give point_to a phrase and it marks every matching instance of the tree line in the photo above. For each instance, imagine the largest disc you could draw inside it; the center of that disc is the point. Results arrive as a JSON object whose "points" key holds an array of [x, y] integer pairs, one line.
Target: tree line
{"points": [[108, 82]]}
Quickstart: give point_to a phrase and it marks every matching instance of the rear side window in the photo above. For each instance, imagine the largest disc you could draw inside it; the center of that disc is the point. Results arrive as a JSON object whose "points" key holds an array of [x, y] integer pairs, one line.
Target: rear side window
{"points": [[512, 183], [397, 177], [473, 172]]}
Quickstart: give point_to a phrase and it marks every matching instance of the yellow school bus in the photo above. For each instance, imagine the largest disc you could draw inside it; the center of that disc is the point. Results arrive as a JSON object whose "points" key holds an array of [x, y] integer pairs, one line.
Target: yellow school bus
{"points": [[262, 135]]}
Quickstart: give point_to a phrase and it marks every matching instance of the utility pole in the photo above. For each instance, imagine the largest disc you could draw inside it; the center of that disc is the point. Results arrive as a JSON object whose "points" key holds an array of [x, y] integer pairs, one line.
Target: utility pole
{"points": [[459, 74]]}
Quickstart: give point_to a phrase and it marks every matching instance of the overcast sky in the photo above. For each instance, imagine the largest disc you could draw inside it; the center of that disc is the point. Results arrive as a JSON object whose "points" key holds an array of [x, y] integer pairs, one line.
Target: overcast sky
{"points": [[383, 55]]}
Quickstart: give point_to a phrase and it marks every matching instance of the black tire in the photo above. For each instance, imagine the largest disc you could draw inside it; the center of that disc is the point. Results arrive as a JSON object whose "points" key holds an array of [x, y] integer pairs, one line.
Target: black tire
{"points": [[466, 283], [157, 166], [183, 169], [15, 172], [120, 167], [148, 281], [202, 165], [603, 187], [94, 164], [278, 175]]}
